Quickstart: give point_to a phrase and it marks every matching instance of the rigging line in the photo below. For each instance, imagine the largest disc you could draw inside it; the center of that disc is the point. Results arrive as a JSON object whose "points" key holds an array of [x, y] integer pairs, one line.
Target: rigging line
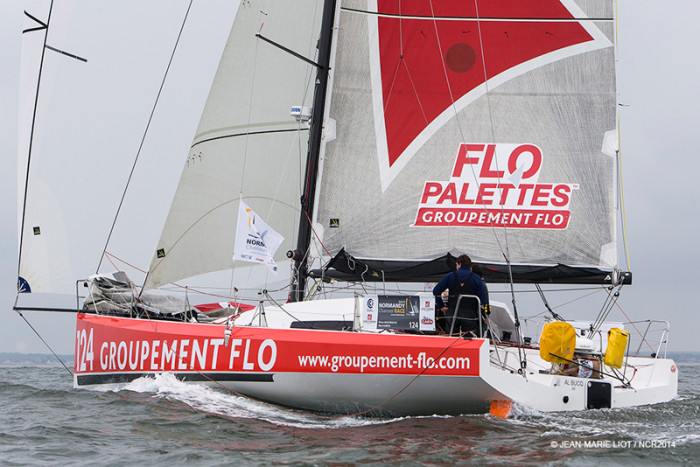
{"points": [[523, 291], [393, 81], [398, 64], [459, 124], [578, 298], [486, 18], [316, 234], [31, 143], [330, 417], [546, 304], [531, 317], [124, 262], [274, 201], [415, 91], [283, 171], [246, 140], [457, 339], [602, 314], [617, 38], [208, 294], [611, 301], [400, 30], [178, 355], [202, 289], [247, 133], [45, 343], [622, 199], [278, 305], [300, 172], [487, 95], [619, 155], [143, 138], [135, 292], [505, 253]]}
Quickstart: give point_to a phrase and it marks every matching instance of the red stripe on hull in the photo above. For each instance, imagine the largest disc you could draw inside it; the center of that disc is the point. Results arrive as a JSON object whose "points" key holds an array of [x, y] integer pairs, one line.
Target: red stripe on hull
{"points": [[109, 345]]}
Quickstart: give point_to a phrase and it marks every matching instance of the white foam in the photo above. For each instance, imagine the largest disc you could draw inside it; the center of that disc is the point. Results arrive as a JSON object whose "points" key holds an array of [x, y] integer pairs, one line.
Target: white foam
{"points": [[229, 405]]}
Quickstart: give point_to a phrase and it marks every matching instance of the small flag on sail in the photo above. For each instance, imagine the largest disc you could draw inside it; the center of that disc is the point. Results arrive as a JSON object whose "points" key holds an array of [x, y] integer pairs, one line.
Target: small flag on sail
{"points": [[255, 240]]}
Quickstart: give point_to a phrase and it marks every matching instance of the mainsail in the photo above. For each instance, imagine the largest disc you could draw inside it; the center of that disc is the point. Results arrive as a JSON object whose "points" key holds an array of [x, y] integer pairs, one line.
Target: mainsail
{"points": [[475, 127]]}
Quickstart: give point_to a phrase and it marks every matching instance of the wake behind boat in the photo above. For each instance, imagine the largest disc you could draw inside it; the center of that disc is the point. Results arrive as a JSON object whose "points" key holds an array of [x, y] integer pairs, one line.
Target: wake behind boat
{"points": [[416, 133]]}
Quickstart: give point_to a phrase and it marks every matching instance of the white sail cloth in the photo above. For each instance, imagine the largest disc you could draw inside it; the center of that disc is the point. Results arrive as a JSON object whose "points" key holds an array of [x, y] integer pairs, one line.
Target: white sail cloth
{"points": [[247, 143], [90, 119]]}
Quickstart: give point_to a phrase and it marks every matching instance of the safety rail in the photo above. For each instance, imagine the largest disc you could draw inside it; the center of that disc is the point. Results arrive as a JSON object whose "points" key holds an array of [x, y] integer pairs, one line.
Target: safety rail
{"points": [[653, 327]]}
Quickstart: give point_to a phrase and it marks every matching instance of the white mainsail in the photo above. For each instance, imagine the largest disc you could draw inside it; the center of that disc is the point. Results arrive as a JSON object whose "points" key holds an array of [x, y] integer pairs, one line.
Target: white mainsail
{"points": [[247, 145], [436, 150]]}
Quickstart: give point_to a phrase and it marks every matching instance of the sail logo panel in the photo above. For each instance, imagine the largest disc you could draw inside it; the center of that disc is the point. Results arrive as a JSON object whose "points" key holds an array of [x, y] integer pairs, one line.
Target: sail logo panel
{"points": [[496, 185], [430, 61]]}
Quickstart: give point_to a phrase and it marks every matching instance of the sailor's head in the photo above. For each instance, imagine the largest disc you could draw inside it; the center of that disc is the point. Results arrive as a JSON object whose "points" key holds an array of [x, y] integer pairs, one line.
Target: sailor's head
{"points": [[464, 261]]}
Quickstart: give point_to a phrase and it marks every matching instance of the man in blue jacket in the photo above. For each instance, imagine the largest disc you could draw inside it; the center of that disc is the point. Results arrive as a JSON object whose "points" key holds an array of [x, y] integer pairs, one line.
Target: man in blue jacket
{"points": [[461, 282]]}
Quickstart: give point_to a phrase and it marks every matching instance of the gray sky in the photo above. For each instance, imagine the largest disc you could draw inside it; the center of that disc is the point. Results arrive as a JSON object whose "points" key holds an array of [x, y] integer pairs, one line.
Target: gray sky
{"points": [[657, 82]]}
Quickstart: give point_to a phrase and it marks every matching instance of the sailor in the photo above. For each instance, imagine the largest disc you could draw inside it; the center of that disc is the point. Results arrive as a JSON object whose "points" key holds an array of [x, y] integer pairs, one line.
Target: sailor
{"points": [[461, 282], [583, 368]]}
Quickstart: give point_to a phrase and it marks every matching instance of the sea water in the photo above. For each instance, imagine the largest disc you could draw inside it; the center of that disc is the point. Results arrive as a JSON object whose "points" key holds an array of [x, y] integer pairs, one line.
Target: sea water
{"points": [[164, 421]]}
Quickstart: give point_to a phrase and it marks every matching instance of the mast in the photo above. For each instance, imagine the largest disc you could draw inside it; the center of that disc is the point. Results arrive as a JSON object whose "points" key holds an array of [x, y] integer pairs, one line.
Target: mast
{"points": [[300, 255]]}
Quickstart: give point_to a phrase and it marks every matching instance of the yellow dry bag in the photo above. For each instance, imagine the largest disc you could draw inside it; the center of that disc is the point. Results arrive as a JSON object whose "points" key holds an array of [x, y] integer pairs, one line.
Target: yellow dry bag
{"points": [[557, 342], [617, 344]]}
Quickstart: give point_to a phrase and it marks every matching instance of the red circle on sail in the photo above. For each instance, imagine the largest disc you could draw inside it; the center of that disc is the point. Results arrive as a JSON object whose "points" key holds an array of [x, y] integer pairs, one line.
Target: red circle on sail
{"points": [[460, 58]]}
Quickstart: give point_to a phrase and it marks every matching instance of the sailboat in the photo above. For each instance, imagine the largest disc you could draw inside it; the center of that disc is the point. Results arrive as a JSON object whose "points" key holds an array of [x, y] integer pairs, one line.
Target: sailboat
{"points": [[376, 141]]}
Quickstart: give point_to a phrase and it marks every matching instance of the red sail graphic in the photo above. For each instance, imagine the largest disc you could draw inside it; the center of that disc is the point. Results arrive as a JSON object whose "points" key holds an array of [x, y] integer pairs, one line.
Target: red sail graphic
{"points": [[427, 64]]}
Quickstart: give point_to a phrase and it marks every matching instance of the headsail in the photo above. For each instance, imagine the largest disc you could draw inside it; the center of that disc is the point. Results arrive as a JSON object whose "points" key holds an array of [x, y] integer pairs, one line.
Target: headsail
{"points": [[247, 145], [90, 117], [475, 127]]}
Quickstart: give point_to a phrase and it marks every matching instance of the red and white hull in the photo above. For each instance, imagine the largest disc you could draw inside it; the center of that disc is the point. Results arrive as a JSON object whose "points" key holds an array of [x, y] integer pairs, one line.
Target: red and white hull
{"points": [[310, 369], [352, 372]]}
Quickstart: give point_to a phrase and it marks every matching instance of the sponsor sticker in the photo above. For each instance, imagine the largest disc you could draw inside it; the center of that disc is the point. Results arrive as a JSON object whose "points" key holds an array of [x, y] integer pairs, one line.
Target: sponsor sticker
{"points": [[496, 185]]}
